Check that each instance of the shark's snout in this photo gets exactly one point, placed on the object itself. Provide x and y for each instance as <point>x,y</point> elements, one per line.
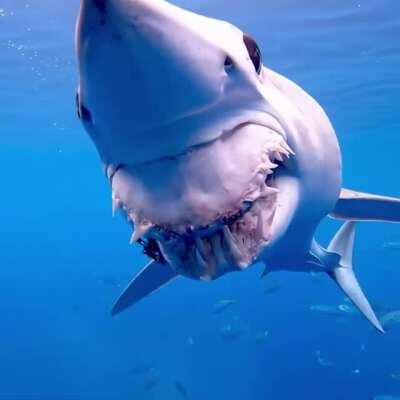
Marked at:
<point>155,74</point>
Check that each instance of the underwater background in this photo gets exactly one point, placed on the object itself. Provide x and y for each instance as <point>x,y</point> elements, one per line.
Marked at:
<point>64,260</point>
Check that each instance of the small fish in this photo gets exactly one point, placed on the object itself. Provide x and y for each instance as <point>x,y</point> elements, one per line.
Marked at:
<point>229,333</point>
<point>262,336</point>
<point>142,369</point>
<point>390,319</point>
<point>272,289</point>
<point>222,306</point>
<point>347,309</point>
<point>395,245</point>
<point>109,281</point>
<point>190,340</point>
<point>151,384</point>
<point>323,361</point>
<point>326,309</point>
<point>395,376</point>
<point>181,390</point>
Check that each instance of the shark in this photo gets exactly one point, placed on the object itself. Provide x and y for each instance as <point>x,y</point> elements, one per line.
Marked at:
<point>216,161</point>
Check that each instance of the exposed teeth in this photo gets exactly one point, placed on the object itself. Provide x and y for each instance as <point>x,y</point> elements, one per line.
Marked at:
<point>260,225</point>
<point>287,148</point>
<point>269,166</point>
<point>140,230</point>
<point>268,191</point>
<point>231,245</point>
<point>233,241</point>
<point>201,248</point>
<point>170,252</point>
<point>266,216</point>
<point>200,260</point>
<point>217,249</point>
<point>263,229</point>
<point>278,156</point>
<point>278,150</point>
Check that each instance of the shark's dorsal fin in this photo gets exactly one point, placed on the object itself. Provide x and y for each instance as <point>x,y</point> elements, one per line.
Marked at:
<point>360,206</point>
<point>151,278</point>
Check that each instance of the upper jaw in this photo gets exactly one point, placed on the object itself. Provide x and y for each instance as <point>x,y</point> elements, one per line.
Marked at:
<point>231,240</point>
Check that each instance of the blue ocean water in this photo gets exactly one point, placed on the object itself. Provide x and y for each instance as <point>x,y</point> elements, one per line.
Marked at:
<point>64,260</point>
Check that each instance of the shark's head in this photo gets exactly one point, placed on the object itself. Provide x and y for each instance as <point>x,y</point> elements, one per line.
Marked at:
<point>195,136</point>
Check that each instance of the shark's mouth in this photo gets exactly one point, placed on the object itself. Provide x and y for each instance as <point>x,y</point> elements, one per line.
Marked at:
<point>229,240</point>
<point>230,243</point>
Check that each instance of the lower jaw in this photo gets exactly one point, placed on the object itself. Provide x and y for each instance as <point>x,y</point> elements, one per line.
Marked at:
<point>229,247</point>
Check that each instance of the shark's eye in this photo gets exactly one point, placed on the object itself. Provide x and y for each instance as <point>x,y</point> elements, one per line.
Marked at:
<point>254,52</point>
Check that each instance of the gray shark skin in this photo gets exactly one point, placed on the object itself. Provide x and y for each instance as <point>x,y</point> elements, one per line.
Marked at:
<point>216,161</point>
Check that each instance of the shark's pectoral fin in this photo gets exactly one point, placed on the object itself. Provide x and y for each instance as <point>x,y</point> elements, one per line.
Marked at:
<point>360,206</point>
<point>343,274</point>
<point>154,276</point>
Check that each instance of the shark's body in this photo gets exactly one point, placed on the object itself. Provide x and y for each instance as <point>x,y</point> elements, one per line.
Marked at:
<point>217,161</point>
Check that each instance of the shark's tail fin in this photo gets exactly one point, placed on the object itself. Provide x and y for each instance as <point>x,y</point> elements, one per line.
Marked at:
<point>343,274</point>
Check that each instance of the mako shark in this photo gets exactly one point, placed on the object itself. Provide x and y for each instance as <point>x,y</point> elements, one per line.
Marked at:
<point>217,162</point>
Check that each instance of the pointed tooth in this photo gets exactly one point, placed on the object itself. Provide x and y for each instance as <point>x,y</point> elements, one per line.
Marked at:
<point>268,172</point>
<point>228,235</point>
<point>272,165</point>
<point>140,230</point>
<point>266,216</point>
<point>288,148</point>
<point>284,148</point>
<point>217,249</point>
<point>278,156</point>
<point>162,250</point>
<point>260,225</point>
<point>168,255</point>
<point>200,260</point>
<point>231,244</point>
<point>202,248</point>
<point>268,191</point>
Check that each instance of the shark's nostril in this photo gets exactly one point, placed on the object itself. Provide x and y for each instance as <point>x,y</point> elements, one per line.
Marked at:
<point>101,5</point>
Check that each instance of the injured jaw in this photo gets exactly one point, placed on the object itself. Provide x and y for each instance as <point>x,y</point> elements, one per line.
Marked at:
<point>210,210</point>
